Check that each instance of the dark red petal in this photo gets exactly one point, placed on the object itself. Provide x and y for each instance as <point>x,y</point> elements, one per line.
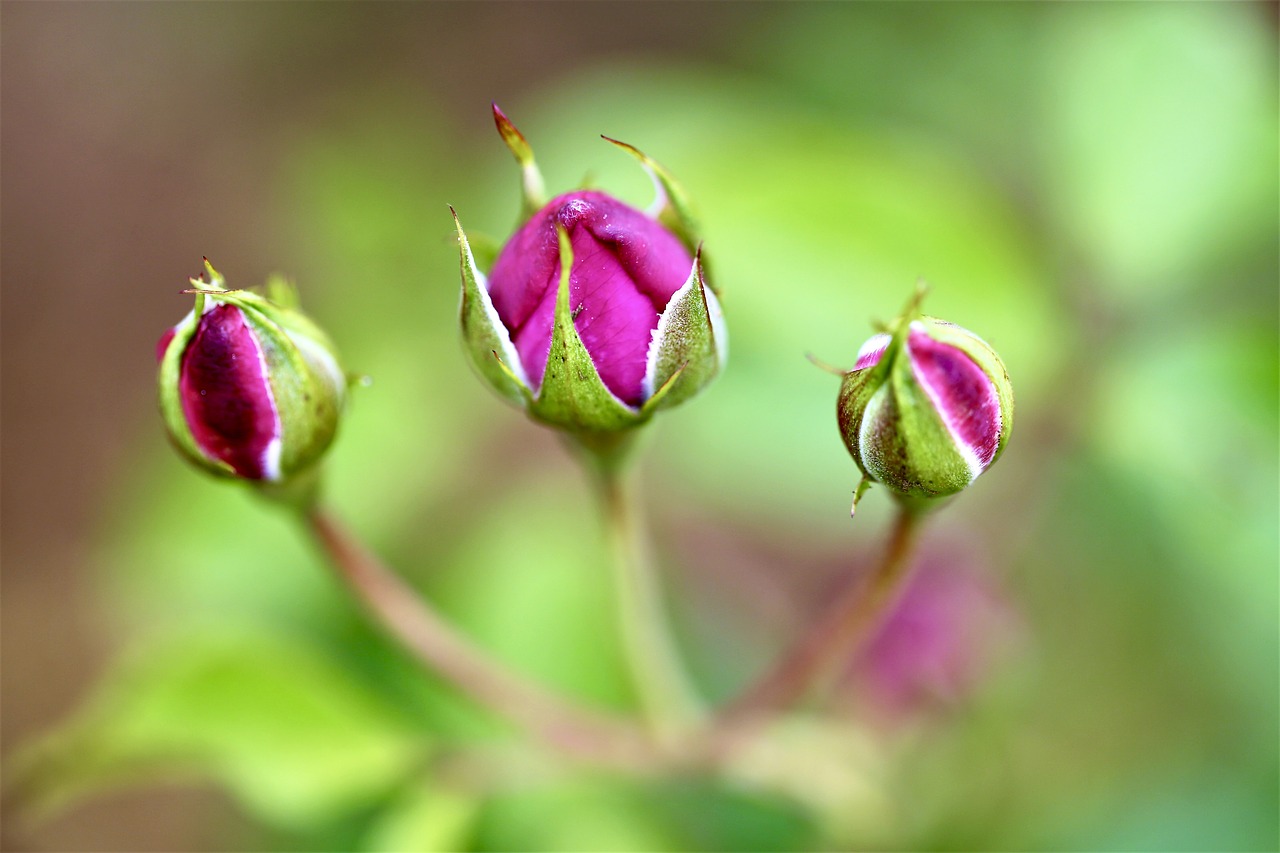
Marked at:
<point>162,346</point>
<point>225,394</point>
<point>965,396</point>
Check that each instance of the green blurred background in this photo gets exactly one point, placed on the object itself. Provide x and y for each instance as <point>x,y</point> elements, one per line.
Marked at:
<point>1092,188</point>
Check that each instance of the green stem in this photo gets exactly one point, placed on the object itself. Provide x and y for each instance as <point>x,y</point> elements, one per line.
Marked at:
<point>667,699</point>
<point>833,638</point>
<point>402,613</point>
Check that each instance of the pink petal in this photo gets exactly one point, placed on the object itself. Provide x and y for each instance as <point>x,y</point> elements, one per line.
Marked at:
<point>964,395</point>
<point>225,394</point>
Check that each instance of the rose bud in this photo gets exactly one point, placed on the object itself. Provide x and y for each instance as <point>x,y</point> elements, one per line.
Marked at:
<point>594,314</point>
<point>945,635</point>
<point>926,409</point>
<point>249,387</point>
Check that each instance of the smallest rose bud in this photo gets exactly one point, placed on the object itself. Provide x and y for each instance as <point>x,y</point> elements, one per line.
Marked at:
<point>926,409</point>
<point>249,387</point>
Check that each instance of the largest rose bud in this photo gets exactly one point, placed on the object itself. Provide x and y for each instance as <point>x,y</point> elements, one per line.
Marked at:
<point>626,267</point>
<point>594,314</point>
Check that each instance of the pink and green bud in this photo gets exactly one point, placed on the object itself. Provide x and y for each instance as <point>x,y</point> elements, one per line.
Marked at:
<point>594,314</point>
<point>927,407</point>
<point>941,640</point>
<point>249,387</point>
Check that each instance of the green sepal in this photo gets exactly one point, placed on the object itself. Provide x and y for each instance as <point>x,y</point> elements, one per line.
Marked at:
<point>484,250</point>
<point>891,427</point>
<point>533,191</point>
<point>572,395</point>
<point>851,406</point>
<point>307,387</point>
<point>863,485</point>
<point>689,346</point>
<point>671,206</point>
<point>904,443</point>
<point>486,339</point>
<point>216,280</point>
<point>859,386</point>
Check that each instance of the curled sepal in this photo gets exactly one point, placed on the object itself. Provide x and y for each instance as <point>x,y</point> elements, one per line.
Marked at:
<point>487,341</point>
<point>572,395</point>
<point>532,188</point>
<point>214,282</point>
<point>671,205</point>
<point>690,344</point>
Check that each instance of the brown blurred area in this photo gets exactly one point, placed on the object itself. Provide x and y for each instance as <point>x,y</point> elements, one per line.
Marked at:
<point>135,138</point>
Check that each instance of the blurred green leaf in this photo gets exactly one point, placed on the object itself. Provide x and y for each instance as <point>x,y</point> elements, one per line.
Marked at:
<point>585,813</point>
<point>597,812</point>
<point>1160,137</point>
<point>532,582</point>
<point>424,819</point>
<point>294,738</point>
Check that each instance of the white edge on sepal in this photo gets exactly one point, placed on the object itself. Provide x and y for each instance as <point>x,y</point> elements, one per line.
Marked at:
<point>966,451</point>
<point>880,342</point>
<point>868,452</point>
<point>660,197</point>
<point>659,335</point>
<point>719,331</point>
<point>507,354</point>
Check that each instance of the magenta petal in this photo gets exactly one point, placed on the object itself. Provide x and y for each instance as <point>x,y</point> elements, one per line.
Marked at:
<point>938,640</point>
<point>872,351</point>
<point>162,346</point>
<point>626,267</point>
<point>654,259</point>
<point>964,395</point>
<point>225,395</point>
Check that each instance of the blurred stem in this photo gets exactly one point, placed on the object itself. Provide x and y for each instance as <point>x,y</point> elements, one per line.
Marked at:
<point>402,613</point>
<point>854,612</point>
<point>667,699</point>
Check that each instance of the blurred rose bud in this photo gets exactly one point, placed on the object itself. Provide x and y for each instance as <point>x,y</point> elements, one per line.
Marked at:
<point>594,314</point>
<point>927,408</point>
<point>249,387</point>
<point>951,628</point>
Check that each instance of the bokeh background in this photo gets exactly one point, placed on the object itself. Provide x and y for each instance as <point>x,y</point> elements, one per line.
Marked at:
<point>1094,660</point>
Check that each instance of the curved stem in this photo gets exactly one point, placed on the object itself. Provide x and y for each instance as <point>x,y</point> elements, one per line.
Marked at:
<point>855,611</point>
<point>667,699</point>
<point>403,614</point>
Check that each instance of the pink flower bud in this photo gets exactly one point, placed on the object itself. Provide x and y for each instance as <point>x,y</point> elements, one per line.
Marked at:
<point>942,639</point>
<point>626,267</point>
<point>226,398</point>
<point>248,388</point>
<point>927,407</point>
<point>594,315</point>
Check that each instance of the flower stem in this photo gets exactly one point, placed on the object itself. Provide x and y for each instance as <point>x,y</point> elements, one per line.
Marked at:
<point>854,612</point>
<point>667,699</point>
<point>402,613</point>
